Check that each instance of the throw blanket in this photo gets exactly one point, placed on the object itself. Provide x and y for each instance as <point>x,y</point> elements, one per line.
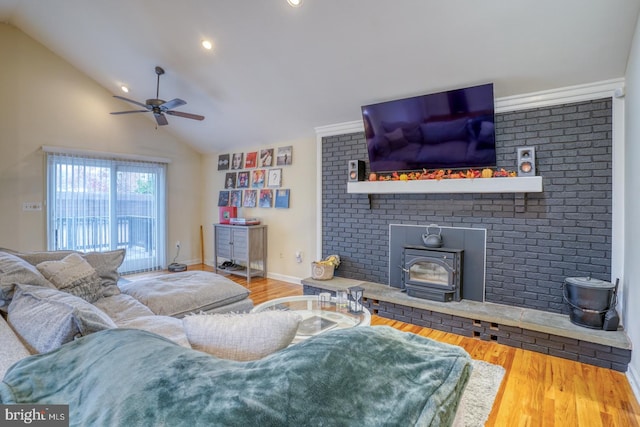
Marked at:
<point>365,376</point>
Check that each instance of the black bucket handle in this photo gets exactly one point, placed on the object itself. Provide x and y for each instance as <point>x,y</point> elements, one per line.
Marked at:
<point>586,310</point>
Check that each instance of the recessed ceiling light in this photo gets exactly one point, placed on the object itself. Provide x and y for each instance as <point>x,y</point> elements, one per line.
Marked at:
<point>124,89</point>
<point>295,3</point>
<point>207,44</point>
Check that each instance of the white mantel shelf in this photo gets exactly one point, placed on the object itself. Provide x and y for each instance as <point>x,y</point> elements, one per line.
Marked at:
<point>530,184</point>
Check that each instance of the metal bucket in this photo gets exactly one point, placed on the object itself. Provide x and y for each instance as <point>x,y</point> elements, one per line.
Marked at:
<point>588,300</point>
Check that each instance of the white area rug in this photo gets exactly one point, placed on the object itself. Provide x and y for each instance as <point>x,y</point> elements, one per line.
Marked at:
<point>480,393</point>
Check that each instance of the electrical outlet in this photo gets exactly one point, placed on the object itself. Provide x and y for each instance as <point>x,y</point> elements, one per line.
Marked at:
<point>32,206</point>
<point>298,256</point>
<point>178,244</point>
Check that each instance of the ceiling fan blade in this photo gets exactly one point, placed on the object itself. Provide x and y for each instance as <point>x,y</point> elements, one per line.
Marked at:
<point>131,111</point>
<point>161,119</point>
<point>131,101</point>
<point>170,105</point>
<point>185,115</point>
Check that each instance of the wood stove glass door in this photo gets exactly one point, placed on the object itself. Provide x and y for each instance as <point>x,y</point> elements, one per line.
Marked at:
<point>430,272</point>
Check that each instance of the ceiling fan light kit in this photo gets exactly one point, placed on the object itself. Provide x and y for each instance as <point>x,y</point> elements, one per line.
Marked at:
<point>159,107</point>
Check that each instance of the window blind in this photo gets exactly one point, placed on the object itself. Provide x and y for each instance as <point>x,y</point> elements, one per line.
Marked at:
<point>100,204</point>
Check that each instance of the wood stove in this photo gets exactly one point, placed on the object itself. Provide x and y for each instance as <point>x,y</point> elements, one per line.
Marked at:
<point>432,273</point>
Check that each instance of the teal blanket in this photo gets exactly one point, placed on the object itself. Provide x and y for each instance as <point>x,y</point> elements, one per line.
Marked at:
<point>365,376</point>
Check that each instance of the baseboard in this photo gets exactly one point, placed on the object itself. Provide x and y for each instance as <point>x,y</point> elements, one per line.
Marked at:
<point>285,278</point>
<point>634,381</point>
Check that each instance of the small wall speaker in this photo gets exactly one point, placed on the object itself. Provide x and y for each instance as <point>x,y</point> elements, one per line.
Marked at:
<point>356,170</point>
<point>526,161</point>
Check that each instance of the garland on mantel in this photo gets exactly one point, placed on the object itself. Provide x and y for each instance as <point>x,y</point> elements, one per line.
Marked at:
<point>442,174</point>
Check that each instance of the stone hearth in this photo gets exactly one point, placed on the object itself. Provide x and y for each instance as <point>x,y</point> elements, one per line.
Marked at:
<point>525,328</point>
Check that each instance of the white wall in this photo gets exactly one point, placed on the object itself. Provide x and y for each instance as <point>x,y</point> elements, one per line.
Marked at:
<point>45,101</point>
<point>289,230</point>
<point>632,209</point>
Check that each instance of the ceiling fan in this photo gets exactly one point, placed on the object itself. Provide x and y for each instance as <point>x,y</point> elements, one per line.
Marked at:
<point>159,107</point>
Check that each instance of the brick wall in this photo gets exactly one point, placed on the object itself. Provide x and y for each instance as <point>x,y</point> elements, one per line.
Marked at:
<point>533,242</point>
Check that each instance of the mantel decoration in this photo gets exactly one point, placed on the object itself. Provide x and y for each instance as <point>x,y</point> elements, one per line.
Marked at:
<point>442,174</point>
<point>255,170</point>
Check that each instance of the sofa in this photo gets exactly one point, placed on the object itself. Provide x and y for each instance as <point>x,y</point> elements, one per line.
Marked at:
<point>134,354</point>
<point>50,298</point>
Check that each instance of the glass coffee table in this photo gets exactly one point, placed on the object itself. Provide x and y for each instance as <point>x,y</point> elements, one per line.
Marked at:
<point>317,316</point>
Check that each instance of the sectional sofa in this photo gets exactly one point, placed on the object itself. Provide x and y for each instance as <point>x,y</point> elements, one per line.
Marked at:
<point>146,353</point>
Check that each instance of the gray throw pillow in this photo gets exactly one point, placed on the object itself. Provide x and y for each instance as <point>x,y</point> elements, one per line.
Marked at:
<point>47,318</point>
<point>14,270</point>
<point>105,263</point>
<point>74,275</point>
<point>242,337</point>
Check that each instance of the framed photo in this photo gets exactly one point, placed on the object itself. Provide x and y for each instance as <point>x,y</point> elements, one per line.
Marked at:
<point>251,160</point>
<point>284,156</point>
<point>266,158</point>
<point>223,162</point>
<point>257,178</point>
<point>250,198</point>
<point>243,180</point>
<point>235,198</point>
<point>223,198</point>
<point>282,198</point>
<point>230,180</point>
<point>266,198</point>
<point>274,178</point>
<point>236,161</point>
<point>225,213</point>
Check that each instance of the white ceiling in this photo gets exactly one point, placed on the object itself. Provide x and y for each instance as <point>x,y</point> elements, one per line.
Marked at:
<point>278,72</point>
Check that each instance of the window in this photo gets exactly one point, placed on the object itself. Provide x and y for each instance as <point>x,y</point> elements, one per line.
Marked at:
<point>99,204</point>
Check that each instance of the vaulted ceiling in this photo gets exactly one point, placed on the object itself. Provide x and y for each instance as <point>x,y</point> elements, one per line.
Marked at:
<point>277,72</point>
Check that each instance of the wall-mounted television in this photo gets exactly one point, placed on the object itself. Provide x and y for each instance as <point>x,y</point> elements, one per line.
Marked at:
<point>445,130</point>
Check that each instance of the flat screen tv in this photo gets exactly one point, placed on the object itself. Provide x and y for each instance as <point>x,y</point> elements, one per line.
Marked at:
<point>446,130</point>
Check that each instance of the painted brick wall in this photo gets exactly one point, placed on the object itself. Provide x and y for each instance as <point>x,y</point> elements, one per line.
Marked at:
<point>533,242</point>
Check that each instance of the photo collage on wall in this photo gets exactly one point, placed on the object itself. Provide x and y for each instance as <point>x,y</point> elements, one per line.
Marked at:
<point>254,179</point>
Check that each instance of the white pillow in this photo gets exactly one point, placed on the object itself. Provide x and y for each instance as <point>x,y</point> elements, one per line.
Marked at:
<point>244,336</point>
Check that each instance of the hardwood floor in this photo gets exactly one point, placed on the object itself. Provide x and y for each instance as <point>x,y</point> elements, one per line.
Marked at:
<point>537,390</point>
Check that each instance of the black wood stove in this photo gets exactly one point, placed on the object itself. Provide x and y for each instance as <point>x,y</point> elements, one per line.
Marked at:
<point>433,273</point>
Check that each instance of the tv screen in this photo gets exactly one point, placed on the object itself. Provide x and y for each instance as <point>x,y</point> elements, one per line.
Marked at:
<point>446,130</point>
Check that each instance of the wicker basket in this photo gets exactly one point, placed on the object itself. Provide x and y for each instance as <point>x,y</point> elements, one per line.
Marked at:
<point>321,271</point>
